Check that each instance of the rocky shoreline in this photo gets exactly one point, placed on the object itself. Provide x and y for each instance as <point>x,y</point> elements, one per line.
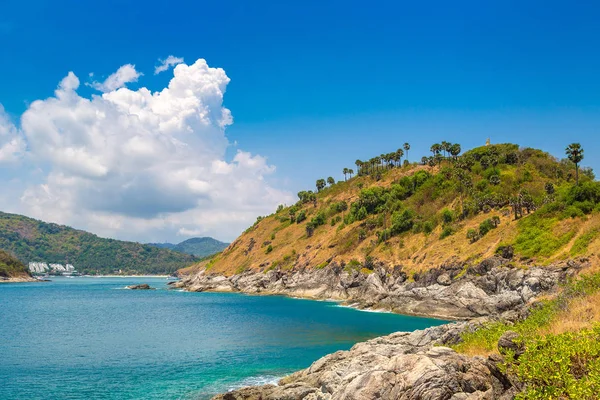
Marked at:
<point>402,365</point>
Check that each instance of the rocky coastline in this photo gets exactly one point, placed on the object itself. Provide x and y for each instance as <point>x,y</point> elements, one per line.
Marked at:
<point>415,365</point>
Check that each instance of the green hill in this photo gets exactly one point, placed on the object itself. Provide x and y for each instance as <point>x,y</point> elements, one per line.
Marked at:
<point>419,215</point>
<point>36,241</point>
<point>199,247</point>
<point>10,267</point>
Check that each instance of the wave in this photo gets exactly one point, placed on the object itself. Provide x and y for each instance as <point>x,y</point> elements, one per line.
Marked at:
<point>255,381</point>
<point>371,310</point>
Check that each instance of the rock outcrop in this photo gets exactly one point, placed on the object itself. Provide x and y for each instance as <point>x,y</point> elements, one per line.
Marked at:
<point>142,286</point>
<point>402,365</point>
<point>492,287</point>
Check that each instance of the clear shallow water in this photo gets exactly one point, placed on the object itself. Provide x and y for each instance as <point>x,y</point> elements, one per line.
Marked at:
<point>86,338</point>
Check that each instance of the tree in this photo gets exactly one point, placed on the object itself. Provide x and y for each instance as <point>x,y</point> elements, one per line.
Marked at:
<point>446,147</point>
<point>574,153</point>
<point>330,181</point>
<point>320,184</point>
<point>345,172</point>
<point>398,156</point>
<point>455,150</point>
<point>406,148</point>
<point>350,172</point>
<point>359,165</point>
<point>424,160</point>
<point>435,149</point>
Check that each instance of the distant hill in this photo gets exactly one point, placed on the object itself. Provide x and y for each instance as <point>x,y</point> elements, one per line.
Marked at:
<point>200,247</point>
<point>38,241</point>
<point>10,267</point>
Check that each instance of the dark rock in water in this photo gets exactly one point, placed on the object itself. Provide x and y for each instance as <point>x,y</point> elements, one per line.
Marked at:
<point>143,286</point>
<point>510,342</point>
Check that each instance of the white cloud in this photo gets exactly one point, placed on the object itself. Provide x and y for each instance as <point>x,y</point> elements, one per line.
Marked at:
<point>12,144</point>
<point>144,165</point>
<point>167,63</point>
<point>119,79</point>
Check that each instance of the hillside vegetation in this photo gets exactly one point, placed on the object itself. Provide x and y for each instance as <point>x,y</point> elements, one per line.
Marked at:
<point>33,240</point>
<point>519,202</point>
<point>10,267</point>
<point>199,247</point>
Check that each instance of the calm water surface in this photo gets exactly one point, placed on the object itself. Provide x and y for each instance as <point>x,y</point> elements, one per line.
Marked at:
<point>87,338</point>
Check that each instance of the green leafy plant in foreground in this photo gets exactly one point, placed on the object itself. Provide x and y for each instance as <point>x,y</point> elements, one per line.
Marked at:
<point>565,366</point>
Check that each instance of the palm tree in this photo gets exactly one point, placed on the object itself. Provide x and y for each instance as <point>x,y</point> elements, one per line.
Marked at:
<point>345,172</point>
<point>398,156</point>
<point>358,164</point>
<point>455,150</point>
<point>330,181</point>
<point>320,184</point>
<point>574,152</point>
<point>406,148</point>
<point>446,147</point>
<point>424,160</point>
<point>351,172</point>
<point>435,149</point>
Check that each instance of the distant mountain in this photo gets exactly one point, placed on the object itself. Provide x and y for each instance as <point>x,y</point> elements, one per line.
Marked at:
<point>200,247</point>
<point>31,240</point>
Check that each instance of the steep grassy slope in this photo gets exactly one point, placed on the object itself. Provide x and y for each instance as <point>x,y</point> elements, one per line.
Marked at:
<point>199,247</point>
<point>33,240</point>
<point>10,267</point>
<point>490,199</point>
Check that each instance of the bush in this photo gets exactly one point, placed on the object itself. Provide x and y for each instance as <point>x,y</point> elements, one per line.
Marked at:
<point>301,216</point>
<point>269,249</point>
<point>486,226</point>
<point>447,216</point>
<point>447,231</point>
<point>565,366</point>
<point>402,221</point>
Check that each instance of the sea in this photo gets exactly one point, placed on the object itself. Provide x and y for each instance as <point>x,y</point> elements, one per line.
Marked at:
<point>90,338</point>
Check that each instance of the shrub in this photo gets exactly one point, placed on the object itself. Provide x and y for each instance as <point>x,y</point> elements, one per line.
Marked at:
<point>565,366</point>
<point>473,235</point>
<point>269,249</point>
<point>428,227</point>
<point>301,216</point>
<point>447,231</point>
<point>447,216</point>
<point>486,226</point>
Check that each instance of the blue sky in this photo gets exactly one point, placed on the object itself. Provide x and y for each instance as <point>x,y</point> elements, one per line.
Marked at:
<point>318,84</point>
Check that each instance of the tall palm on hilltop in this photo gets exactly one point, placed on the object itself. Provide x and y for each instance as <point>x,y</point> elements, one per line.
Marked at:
<point>574,152</point>
<point>406,148</point>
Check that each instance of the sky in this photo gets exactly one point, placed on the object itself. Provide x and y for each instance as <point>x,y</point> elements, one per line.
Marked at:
<point>158,121</point>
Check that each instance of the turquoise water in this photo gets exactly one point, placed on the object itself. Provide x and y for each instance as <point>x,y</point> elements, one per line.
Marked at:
<point>86,338</point>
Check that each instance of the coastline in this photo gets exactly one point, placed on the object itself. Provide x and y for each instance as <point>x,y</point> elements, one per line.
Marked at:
<point>466,297</point>
<point>19,280</point>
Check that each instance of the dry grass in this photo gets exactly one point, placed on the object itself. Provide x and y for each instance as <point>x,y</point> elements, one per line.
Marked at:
<point>581,313</point>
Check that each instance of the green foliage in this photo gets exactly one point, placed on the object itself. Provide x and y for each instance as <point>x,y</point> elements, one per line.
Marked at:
<point>447,216</point>
<point>447,231</point>
<point>582,242</point>
<point>301,216</point>
<point>565,366</point>
<point>537,238</point>
<point>402,221</point>
<point>10,266</point>
<point>269,249</point>
<point>486,226</point>
<point>32,240</point>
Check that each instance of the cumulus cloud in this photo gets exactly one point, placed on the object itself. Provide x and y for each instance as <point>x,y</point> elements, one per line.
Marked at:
<point>119,79</point>
<point>167,63</point>
<point>12,144</point>
<point>144,165</point>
